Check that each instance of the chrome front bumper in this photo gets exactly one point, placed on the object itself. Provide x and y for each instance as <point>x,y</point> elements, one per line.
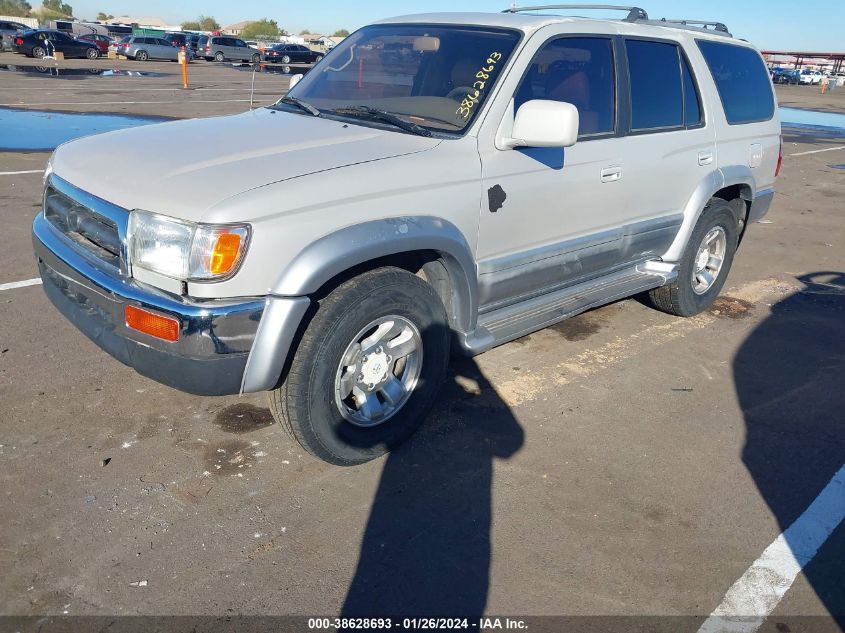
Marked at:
<point>215,337</point>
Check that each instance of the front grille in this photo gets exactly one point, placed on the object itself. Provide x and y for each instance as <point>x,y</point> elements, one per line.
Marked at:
<point>89,230</point>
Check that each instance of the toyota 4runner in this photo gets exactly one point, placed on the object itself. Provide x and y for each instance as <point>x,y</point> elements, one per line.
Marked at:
<point>437,181</point>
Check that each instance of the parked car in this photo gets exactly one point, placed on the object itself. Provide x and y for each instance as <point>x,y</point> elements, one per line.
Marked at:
<point>341,239</point>
<point>292,54</point>
<point>117,45</point>
<point>43,42</point>
<point>176,39</point>
<point>143,48</point>
<point>224,48</point>
<point>812,77</point>
<point>787,77</point>
<point>8,30</point>
<point>192,42</point>
<point>102,42</point>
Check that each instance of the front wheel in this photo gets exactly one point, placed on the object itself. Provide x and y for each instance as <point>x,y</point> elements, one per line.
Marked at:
<point>92,53</point>
<point>256,58</point>
<point>367,369</point>
<point>286,59</point>
<point>704,265</point>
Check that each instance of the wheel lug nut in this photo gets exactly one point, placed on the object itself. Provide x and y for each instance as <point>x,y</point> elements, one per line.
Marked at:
<point>360,377</point>
<point>378,350</point>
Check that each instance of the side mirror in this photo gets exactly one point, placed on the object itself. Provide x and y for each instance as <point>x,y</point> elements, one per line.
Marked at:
<point>542,123</point>
<point>295,80</point>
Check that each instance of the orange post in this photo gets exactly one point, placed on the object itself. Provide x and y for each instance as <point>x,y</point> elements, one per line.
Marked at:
<point>184,60</point>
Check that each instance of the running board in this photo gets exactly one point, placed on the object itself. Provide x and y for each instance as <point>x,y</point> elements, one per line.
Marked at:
<point>515,321</point>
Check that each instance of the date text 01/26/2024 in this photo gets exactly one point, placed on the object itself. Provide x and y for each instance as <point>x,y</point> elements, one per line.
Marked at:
<point>483,624</point>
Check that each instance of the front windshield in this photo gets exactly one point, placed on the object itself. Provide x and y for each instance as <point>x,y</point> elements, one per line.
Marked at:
<point>434,76</point>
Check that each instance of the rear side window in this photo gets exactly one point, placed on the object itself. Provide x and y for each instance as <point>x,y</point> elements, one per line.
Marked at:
<point>577,70</point>
<point>742,80</point>
<point>657,99</point>
<point>663,89</point>
<point>692,105</point>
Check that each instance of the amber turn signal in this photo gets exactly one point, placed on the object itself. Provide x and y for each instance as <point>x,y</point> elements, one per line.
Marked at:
<point>225,253</point>
<point>165,328</point>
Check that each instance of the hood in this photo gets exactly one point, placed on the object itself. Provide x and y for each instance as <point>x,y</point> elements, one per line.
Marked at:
<point>182,168</point>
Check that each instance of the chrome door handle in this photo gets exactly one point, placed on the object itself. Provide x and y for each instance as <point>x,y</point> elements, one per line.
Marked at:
<point>705,158</point>
<point>611,174</point>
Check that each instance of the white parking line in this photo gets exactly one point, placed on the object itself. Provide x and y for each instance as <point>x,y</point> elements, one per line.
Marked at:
<point>754,596</point>
<point>819,151</point>
<point>15,173</point>
<point>20,284</point>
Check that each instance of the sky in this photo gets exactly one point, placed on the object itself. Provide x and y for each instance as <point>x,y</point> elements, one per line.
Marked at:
<point>810,25</point>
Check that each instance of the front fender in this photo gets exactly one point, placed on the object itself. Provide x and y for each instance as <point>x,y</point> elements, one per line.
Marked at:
<point>337,252</point>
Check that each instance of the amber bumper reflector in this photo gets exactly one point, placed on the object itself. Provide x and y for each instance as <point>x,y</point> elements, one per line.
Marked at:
<point>166,328</point>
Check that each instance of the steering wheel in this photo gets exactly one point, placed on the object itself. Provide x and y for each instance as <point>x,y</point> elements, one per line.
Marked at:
<point>458,94</point>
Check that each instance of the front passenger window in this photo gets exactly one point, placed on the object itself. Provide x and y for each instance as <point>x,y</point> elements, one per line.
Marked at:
<point>577,70</point>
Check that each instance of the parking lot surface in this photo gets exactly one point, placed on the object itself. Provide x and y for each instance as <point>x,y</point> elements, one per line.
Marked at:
<point>624,462</point>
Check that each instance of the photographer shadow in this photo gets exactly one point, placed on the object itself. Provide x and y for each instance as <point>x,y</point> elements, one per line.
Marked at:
<point>790,382</point>
<point>426,548</point>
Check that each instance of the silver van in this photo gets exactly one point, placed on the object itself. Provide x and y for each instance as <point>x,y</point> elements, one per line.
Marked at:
<point>144,48</point>
<point>225,48</point>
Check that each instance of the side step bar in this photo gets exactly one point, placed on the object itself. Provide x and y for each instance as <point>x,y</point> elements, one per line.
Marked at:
<point>515,321</point>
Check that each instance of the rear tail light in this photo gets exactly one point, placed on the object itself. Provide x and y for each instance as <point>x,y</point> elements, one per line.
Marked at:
<point>166,328</point>
<point>18,41</point>
<point>207,47</point>
<point>780,157</point>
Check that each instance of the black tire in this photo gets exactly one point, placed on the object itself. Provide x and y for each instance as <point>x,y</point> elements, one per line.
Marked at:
<point>38,52</point>
<point>305,402</point>
<point>679,297</point>
<point>255,58</point>
<point>319,59</point>
<point>92,53</point>
<point>142,56</point>
<point>219,56</point>
<point>286,59</point>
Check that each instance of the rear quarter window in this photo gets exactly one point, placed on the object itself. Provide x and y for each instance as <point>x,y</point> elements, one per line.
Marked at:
<point>742,80</point>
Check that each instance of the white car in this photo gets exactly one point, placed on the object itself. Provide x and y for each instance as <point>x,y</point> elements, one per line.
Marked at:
<point>811,77</point>
<point>462,178</point>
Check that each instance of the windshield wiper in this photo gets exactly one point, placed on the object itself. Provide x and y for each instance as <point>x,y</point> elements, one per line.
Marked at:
<point>374,114</point>
<point>302,105</point>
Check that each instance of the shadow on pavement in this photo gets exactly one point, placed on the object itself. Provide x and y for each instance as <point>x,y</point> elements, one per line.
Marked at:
<point>790,381</point>
<point>426,548</point>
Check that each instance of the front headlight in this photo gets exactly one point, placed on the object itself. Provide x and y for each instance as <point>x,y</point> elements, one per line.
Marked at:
<point>185,250</point>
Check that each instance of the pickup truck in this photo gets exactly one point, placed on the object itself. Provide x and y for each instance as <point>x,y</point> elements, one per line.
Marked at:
<point>438,182</point>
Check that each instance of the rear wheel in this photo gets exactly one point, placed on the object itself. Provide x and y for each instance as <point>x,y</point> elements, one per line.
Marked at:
<point>142,56</point>
<point>219,56</point>
<point>367,369</point>
<point>705,263</point>
<point>38,52</point>
<point>92,53</point>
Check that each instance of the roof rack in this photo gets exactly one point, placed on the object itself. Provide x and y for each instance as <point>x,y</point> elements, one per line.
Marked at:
<point>704,24</point>
<point>634,13</point>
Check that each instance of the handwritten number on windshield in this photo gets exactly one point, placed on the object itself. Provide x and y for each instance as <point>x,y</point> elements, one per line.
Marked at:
<point>481,77</point>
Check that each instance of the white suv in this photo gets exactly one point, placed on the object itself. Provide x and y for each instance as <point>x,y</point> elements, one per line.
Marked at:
<point>811,77</point>
<point>438,178</point>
